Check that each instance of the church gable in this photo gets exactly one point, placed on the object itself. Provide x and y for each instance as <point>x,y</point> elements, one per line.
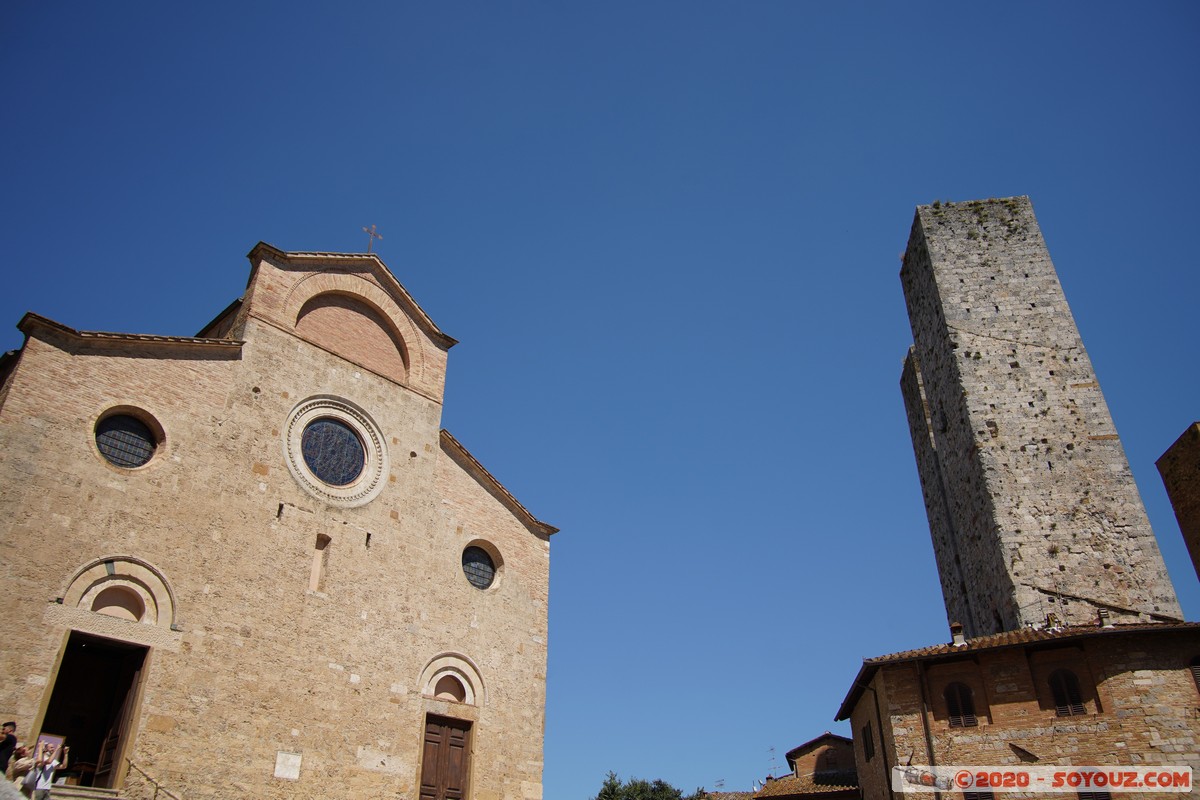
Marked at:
<point>352,306</point>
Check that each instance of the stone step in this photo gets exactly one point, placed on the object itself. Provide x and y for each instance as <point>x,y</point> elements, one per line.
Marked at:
<point>62,792</point>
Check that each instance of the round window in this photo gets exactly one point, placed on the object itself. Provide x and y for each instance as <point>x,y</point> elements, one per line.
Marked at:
<point>478,566</point>
<point>333,451</point>
<point>125,441</point>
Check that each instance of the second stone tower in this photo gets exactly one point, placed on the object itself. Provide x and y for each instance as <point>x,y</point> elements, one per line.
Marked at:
<point>1033,510</point>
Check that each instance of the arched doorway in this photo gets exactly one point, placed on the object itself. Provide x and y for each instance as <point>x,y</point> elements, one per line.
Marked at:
<point>92,701</point>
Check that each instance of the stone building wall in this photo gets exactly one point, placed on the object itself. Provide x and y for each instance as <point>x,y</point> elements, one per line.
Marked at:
<point>1180,471</point>
<point>1032,506</point>
<point>295,637</point>
<point>1140,708</point>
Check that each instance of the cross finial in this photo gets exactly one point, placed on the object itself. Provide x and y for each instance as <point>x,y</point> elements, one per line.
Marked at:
<point>371,236</point>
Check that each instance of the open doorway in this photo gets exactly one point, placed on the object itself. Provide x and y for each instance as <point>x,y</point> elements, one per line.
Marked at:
<point>92,702</point>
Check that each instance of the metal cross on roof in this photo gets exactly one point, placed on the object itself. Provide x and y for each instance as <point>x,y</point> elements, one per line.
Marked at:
<point>371,236</point>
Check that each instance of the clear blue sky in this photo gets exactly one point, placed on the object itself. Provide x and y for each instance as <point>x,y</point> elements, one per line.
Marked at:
<point>667,235</point>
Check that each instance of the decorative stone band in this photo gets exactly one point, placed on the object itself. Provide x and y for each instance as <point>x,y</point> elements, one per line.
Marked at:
<point>370,481</point>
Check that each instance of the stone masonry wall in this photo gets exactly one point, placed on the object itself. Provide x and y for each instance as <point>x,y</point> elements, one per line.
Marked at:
<point>1031,483</point>
<point>259,665</point>
<point>1142,704</point>
<point>951,570</point>
<point>1180,471</point>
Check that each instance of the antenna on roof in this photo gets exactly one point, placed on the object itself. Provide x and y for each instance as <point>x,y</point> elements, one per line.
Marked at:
<point>371,236</point>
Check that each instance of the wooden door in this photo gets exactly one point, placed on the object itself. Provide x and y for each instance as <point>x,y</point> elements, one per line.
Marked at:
<point>107,766</point>
<point>446,759</point>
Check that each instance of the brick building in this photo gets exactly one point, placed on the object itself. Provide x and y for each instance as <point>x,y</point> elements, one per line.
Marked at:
<point>251,563</point>
<point>1072,696</point>
<point>1068,645</point>
<point>821,769</point>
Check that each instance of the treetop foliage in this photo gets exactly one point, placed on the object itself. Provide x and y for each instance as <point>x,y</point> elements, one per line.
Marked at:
<point>637,789</point>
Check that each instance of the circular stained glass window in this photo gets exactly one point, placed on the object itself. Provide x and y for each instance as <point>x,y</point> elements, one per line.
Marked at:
<point>478,567</point>
<point>125,441</point>
<point>333,451</point>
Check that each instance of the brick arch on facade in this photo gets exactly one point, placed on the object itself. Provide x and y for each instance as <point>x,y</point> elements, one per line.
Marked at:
<point>123,586</point>
<point>394,327</point>
<point>354,330</point>
<point>458,667</point>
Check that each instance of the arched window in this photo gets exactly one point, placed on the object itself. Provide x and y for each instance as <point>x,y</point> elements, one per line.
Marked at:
<point>961,706</point>
<point>449,687</point>
<point>120,602</point>
<point>1068,702</point>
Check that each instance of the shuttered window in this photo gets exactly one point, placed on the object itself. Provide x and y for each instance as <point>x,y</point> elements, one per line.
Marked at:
<point>1068,702</point>
<point>961,706</point>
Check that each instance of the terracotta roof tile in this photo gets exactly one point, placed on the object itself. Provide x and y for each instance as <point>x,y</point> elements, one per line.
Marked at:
<point>821,783</point>
<point>998,641</point>
<point>1024,636</point>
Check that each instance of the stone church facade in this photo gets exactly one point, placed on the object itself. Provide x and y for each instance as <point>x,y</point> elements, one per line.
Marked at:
<point>250,562</point>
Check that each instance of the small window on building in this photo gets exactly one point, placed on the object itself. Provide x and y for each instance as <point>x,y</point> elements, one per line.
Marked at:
<point>320,561</point>
<point>1068,701</point>
<point>1195,667</point>
<point>960,705</point>
<point>868,742</point>
<point>1094,796</point>
<point>121,602</point>
<point>977,795</point>
<point>450,688</point>
<point>125,441</point>
<point>478,566</point>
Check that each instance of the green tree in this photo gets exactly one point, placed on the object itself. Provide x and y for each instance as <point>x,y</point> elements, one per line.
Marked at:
<point>637,789</point>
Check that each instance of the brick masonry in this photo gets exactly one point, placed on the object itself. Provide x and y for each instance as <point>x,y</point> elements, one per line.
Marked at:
<point>1032,507</point>
<point>249,671</point>
<point>1141,707</point>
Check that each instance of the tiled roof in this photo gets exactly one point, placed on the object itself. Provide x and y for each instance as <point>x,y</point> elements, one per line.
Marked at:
<point>471,462</point>
<point>32,320</point>
<point>800,748</point>
<point>821,783</point>
<point>998,641</point>
<point>1027,636</point>
<point>729,795</point>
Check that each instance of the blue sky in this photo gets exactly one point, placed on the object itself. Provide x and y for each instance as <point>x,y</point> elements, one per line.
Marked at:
<point>667,235</point>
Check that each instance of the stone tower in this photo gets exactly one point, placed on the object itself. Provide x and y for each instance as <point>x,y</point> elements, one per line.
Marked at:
<point>1033,510</point>
<point>1180,471</point>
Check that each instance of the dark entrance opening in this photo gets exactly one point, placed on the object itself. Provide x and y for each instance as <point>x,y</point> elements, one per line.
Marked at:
<point>91,704</point>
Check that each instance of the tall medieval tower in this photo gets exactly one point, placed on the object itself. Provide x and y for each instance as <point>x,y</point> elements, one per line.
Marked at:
<point>1033,510</point>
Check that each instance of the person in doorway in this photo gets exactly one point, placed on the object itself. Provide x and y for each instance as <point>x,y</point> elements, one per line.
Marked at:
<point>8,745</point>
<point>45,766</point>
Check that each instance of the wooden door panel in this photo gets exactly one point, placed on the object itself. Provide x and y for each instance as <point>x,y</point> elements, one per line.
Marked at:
<point>446,758</point>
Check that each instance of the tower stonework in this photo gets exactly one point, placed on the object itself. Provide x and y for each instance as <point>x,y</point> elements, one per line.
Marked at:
<point>1180,471</point>
<point>1032,507</point>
